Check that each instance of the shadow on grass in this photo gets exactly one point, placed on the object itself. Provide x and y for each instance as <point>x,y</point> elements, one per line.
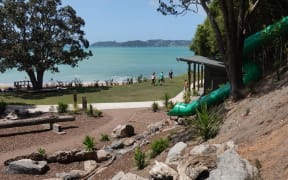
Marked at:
<point>53,93</point>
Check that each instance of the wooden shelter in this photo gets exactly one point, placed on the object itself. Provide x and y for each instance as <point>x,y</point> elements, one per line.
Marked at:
<point>212,72</point>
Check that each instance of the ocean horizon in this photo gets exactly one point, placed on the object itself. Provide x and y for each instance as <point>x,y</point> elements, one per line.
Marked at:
<point>117,63</point>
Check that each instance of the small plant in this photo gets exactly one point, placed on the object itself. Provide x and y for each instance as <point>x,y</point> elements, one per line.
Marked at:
<point>170,105</point>
<point>187,97</point>
<point>42,151</point>
<point>139,158</point>
<point>166,101</point>
<point>207,123</point>
<point>89,143</point>
<point>90,110</point>
<point>62,107</point>
<point>3,106</point>
<point>158,146</point>
<point>195,92</point>
<point>155,106</point>
<point>105,137</point>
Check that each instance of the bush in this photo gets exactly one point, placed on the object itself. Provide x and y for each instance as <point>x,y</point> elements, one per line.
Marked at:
<point>3,106</point>
<point>207,123</point>
<point>170,105</point>
<point>62,107</point>
<point>89,143</point>
<point>158,146</point>
<point>105,137</point>
<point>42,151</point>
<point>187,97</point>
<point>94,112</point>
<point>155,106</point>
<point>139,158</point>
<point>166,101</point>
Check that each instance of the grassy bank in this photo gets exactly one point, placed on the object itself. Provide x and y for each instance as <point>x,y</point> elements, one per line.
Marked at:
<point>128,93</point>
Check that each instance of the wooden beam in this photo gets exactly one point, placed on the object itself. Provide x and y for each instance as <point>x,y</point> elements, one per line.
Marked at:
<point>198,77</point>
<point>189,76</point>
<point>194,75</point>
<point>35,121</point>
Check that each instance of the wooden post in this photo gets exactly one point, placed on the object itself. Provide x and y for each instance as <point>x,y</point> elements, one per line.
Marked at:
<point>84,103</point>
<point>194,75</point>
<point>202,75</point>
<point>189,76</point>
<point>198,77</point>
<point>75,98</point>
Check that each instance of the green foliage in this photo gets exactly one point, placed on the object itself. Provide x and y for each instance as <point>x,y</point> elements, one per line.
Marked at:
<point>139,158</point>
<point>170,105</point>
<point>158,146</point>
<point>89,143</point>
<point>93,112</point>
<point>155,106</point>
<point>195,92</point>
<point>3,106</point>
<point>90,110</point>
<point>207,123</point>
<point>166,100</point>
<point>187,97</point>
<point>105,137</point>
<point>37,36</point>
<point>42,151</point>
<point>62,107</point>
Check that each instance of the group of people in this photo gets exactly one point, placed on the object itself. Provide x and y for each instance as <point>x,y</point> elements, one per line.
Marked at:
<point>161,77</point>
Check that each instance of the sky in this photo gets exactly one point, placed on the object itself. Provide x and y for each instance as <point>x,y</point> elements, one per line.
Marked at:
<point>124,20</point>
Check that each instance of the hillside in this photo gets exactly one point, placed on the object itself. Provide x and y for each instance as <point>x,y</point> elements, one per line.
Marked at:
<point>138,43</point>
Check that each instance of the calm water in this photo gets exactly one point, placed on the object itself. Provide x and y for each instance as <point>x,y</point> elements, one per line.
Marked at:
<point>116,64</point>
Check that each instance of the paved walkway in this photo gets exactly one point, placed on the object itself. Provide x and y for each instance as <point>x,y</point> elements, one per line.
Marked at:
<point>100,106</point>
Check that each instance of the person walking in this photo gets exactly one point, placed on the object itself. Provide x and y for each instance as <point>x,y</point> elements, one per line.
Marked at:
<point>153,78</point>
<point>161,78</point>
<point>171,74</point>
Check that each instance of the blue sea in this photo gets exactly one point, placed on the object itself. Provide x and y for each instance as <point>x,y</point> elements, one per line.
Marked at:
<point>115,63</point>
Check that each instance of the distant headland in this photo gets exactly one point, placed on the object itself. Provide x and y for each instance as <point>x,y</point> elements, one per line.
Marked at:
<point>139,43</point>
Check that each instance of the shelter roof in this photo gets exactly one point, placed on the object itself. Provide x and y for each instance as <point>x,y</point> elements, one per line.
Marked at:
<point>201,60</point>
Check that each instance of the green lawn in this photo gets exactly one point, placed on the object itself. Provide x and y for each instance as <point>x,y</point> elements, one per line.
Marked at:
<point>128,93</point>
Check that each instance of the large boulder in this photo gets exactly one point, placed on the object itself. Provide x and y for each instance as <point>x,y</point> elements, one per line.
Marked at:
<point>231,166</point>
<point>162,171</point>
<point>72,156</point>
<point>196,166</point>
<point>27,166</point>
<point>174,153</point>
<point>122,131</point>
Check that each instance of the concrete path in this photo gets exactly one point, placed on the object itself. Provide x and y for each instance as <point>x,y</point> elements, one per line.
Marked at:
<point>100,106</point>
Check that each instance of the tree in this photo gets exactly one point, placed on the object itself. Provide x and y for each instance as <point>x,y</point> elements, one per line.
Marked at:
<point>38,35</point>
<point>234,16</point>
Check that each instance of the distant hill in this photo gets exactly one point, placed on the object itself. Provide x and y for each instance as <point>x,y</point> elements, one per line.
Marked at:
<point>138,43</point>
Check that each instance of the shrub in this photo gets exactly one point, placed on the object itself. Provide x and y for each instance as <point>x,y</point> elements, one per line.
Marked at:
<point>170,105</point>
<point>207,123</point>
<point>187,97</point>
<point>42,151</point>
<point>105,137</point>
<point>89,143</point>
<point>90,110</point>
<point>158,146</point>
<point>155,106</point>
<point>3,106</point>
<point>139,158</point>
<point>166,101</point>
<point>62,107</point>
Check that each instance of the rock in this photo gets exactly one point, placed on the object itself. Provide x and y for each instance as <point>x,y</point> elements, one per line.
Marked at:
<point>72,156</point>
<point>27,166</point>
<point>203,149</point>
<point>118,176</point>
<point>162,171</point>
<point>231,166</point>
<point>128,141</point>
<point>117,144</point>
<point>155,127</point>
<point>90,165</point>
<point>174,153</point>
<point>11,116</point>
<point>196,166</point>
<point>103,155</point>
<point>122,131</point>
<point>221,148</point>
<point>139,137</point>
<point>69,176</point>
<point>33,156</point>
<point>128,176</point>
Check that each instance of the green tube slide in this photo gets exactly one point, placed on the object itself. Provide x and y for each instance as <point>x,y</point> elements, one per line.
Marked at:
<point>251,70</point>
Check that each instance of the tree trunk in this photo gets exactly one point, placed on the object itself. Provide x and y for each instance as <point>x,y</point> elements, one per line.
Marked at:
<point>37,82</point>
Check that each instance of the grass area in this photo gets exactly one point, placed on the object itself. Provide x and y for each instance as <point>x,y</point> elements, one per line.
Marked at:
<point>135,92</point>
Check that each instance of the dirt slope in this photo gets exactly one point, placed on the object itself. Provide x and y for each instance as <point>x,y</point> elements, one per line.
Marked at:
<point>259,125</point>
